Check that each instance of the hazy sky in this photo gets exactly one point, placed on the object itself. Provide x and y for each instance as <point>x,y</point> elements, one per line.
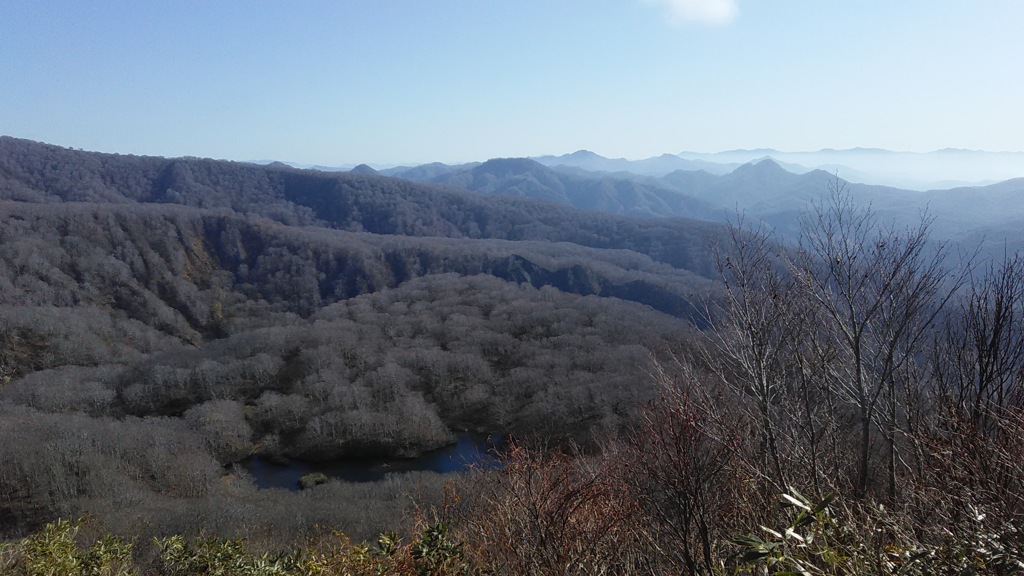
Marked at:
<point>385,81</point>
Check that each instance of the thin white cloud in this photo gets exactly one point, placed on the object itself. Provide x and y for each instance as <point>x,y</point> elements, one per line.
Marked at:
<point>711,12</point>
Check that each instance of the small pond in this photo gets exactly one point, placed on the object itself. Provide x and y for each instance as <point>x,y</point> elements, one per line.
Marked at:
<point>479,450</point>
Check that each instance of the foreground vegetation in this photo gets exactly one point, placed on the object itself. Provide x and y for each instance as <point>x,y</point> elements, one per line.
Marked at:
<point>669,499</point>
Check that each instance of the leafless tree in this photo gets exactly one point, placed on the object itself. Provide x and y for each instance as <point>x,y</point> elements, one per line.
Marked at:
<point>979,356</point>
<point>753,331</point>
<point>880,289</point>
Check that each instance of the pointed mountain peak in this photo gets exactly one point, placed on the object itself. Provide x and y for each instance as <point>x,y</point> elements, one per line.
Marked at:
<point>765,169</point>
<point>766,165</point>
<point>583,155</point>
<point>363,169</point>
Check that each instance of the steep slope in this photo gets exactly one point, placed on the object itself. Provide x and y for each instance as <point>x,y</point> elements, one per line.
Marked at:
<point>194,275</point>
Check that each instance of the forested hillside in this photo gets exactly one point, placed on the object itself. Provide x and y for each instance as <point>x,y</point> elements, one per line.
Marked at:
<point>33,172</point>
<point>617,194</point>
<point>218,309</point>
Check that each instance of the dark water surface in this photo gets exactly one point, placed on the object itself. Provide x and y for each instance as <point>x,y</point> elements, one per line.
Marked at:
<point>479,450</point>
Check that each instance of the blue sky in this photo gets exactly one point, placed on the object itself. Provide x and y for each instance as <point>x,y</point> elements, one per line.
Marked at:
<point>387,81</point>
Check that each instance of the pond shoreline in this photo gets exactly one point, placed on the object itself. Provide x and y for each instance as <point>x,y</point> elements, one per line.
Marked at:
<point>470,450</point>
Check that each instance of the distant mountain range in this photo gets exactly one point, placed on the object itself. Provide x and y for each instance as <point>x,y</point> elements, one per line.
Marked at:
<point>974,196</point>
<point>941,169</point>
<point>763,188</point>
